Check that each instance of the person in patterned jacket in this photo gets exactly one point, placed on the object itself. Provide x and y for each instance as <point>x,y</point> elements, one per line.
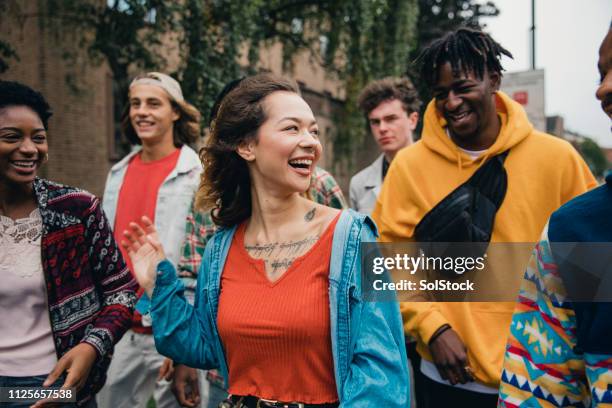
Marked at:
<point>559,352</point>
<point>199,229</point>
<point>66,295</point>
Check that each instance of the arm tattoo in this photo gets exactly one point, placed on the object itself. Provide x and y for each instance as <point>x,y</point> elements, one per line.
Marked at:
<point>310,215</point>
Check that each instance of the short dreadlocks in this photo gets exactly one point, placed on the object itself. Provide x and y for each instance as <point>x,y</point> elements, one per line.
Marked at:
<point>466,49</point>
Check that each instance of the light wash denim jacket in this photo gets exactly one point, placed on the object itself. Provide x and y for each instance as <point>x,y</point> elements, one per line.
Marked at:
<point>364,187</point>
<point>370,364</point>
<point>174,198</point>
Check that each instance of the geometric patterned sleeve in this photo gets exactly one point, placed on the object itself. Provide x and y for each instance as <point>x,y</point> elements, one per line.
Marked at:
<point>325,190</point>
<point>112,277</point>
<point>599,374</point>
<point>541,367</point>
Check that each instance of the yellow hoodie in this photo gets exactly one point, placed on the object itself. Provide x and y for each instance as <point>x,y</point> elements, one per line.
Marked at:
<point>543,173</point>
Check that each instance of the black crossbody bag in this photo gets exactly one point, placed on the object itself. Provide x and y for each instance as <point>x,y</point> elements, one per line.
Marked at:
<point>467,214</point>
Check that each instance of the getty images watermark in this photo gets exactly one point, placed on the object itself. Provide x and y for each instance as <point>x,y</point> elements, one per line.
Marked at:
<point>405,263</point>
<point>444,272</point>
<point>485,272</point>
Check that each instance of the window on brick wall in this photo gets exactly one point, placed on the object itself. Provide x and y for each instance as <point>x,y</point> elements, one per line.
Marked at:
<point>117,144</point>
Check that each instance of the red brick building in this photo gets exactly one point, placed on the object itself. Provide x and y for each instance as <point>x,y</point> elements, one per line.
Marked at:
<point>79,89</point>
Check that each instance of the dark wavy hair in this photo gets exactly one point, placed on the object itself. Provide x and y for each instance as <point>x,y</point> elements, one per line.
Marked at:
<point>226,185</point>
<point>388,89</point>
<point>18,94</point>
<point>186,129</point>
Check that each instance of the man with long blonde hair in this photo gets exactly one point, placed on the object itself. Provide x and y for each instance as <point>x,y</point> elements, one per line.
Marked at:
<point>157,180</point>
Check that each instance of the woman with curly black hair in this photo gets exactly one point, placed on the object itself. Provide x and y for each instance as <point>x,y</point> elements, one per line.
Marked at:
<point>66,296</point>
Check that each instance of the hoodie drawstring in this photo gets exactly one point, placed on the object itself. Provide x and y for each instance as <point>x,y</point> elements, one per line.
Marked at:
<point>459,163</point>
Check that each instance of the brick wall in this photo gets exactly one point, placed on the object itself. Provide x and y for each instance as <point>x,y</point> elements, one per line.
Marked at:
<point>77,90</point>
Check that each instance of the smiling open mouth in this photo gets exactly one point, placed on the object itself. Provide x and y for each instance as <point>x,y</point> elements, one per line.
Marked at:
<point>458,116</point>
<point>300,163</point>
<point>24,164</point>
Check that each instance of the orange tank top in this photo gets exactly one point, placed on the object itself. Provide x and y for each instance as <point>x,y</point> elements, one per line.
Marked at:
<point>277,335</point>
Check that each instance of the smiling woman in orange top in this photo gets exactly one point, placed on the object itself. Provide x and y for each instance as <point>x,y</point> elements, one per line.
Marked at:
<point>278,306</point>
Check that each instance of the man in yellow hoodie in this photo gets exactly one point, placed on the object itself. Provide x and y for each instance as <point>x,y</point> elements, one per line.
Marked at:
<point>468,122</point>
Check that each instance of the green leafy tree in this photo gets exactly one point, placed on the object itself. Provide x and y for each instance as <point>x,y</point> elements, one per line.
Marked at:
<point>354,40</point>
<point>378,38</point>
<point>594,157</point>
<point>7,52</point>
<point>128,34</point>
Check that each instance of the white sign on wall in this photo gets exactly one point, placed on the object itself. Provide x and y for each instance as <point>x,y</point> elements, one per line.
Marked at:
<point>527,88</point>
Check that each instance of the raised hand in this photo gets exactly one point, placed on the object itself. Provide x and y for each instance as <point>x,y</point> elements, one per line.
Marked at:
<point>145,251</point>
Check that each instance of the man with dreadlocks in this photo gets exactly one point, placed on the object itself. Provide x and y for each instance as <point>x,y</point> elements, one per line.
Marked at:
<point>467,125</point>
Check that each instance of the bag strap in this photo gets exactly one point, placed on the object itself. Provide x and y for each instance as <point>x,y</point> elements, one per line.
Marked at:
<point>490,177</point>
<point>489,183</point>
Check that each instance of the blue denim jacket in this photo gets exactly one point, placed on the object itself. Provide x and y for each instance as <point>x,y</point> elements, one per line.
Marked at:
<point>370,364</point>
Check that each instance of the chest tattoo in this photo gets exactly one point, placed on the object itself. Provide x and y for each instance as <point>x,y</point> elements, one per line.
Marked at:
<point>279,256</point>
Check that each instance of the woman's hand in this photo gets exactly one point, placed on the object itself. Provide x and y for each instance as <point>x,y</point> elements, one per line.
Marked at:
<point>76,364</point>
<point>145,251</point>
